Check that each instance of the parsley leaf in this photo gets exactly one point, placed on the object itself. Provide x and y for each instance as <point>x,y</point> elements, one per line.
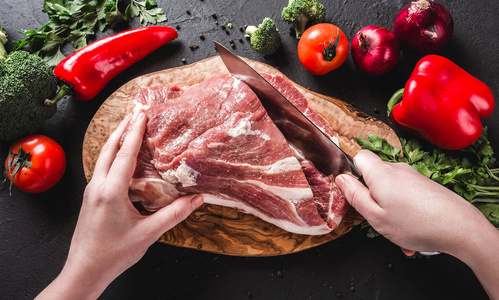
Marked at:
<point>146,10</point>
<point>74,21</point>
<point>471,172</point>
<point>381,146</point>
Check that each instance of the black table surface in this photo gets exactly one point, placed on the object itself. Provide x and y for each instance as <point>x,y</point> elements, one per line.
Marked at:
<point>36,229</point>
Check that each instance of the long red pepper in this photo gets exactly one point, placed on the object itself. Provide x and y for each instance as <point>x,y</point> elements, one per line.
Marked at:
<point>89,69</point>
<point>442,103</point>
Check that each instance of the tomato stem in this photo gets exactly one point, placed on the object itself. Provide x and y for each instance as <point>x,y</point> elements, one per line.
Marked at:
<point>330,50</point>
<point>17,160</point>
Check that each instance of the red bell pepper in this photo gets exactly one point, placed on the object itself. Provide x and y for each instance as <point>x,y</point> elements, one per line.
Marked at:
<point>442,103</point>
<point>89,69</point>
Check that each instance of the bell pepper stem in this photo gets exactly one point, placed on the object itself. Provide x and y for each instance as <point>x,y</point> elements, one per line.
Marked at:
<point>63,91</point>
<point>396,98</point>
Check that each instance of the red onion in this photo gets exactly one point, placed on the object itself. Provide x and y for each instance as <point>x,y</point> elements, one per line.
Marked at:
<point>375,50</point>
<point>423,26</point>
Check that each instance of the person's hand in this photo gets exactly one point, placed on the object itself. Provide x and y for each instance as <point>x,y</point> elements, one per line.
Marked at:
<point>409,209</point>
<point>419,214</point>
<point>111,235</point>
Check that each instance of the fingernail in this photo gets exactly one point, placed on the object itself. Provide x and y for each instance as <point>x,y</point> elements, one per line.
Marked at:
<point>408,252</point>
<point>340,180</point>
<point>355,163</point>
<point>127,117</point>
<point>196,201</point>
<point>138,116</point>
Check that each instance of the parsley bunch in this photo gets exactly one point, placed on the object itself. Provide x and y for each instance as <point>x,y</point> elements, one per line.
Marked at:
<point>471,172</point>
<point>74,21</point>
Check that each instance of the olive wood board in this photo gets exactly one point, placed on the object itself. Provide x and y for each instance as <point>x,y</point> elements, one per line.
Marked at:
<point>220,229</point>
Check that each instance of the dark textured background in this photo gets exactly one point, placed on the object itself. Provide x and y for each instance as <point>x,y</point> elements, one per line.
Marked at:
<point>35,230</point>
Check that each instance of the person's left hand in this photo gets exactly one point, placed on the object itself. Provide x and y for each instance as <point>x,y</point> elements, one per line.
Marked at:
<point>111,235</point>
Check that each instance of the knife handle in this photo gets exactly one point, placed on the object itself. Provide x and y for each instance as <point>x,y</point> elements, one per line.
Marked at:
<point>361,179</point>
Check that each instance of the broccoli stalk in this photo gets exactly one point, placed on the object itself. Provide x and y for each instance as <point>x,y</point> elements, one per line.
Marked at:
<point>25,82</point>
<point>265,38</point>
<point>299,12</point>
<point>3,40</point>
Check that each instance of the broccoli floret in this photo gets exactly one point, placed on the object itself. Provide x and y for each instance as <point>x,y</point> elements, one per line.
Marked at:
<point>25,82</point>
<point>265,38</point>
<point>299,12</point>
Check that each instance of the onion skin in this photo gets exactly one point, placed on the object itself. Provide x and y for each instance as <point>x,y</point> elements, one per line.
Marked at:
<point>423,26</point>
<point>375,50</point>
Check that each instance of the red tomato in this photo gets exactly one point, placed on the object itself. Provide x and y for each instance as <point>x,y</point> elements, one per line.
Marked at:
<point>41,169</point>
<point>319,49</point>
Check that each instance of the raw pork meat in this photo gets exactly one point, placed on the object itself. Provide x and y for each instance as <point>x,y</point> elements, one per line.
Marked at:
<point>216,139</point>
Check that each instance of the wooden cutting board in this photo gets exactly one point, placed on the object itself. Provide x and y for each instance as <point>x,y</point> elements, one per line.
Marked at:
<point>220,229</point>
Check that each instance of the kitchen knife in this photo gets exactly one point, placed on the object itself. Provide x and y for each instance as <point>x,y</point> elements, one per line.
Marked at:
<point>302,133</point>
<point>294,125</point>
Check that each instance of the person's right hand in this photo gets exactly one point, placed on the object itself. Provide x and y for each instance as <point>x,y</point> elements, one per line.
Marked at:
<point>419,214</point>
<point>409,209</point>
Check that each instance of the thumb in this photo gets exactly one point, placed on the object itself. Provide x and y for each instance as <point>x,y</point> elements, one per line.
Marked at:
<point>357,195</point>
<point>169,216</point>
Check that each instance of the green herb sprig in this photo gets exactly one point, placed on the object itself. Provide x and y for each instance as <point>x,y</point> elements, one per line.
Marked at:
<point>74,21</point>
<point>471,172</point>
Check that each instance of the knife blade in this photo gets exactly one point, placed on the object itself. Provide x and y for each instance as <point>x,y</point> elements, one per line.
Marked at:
<point>298,130</point>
